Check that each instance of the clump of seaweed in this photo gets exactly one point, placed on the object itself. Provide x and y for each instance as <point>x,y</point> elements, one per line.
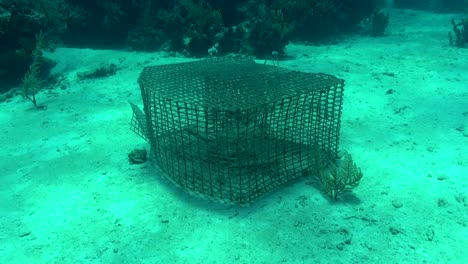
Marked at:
<point>32,82</point>
<point>460,30</point>
<point>339,178</point>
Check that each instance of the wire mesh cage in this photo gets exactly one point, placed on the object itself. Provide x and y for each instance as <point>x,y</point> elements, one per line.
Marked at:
<point>231,130</point>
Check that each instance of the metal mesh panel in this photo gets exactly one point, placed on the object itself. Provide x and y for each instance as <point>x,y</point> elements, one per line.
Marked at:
<point>231,130</point>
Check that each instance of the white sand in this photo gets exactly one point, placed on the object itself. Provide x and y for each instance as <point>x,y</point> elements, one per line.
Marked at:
<point>69,195</point>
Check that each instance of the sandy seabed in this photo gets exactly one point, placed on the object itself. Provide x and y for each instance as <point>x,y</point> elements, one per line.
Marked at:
<point>69,195</point>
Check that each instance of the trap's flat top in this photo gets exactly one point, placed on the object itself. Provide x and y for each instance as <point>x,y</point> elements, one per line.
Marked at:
<point>229,83</point>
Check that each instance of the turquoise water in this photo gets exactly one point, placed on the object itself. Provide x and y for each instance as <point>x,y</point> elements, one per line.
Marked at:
<point>70,195</point>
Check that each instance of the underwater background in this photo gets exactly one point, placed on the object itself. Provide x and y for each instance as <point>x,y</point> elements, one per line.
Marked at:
<point>69,193</point>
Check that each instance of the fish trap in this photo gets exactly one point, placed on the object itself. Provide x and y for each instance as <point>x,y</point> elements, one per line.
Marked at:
<point>232,130</point>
